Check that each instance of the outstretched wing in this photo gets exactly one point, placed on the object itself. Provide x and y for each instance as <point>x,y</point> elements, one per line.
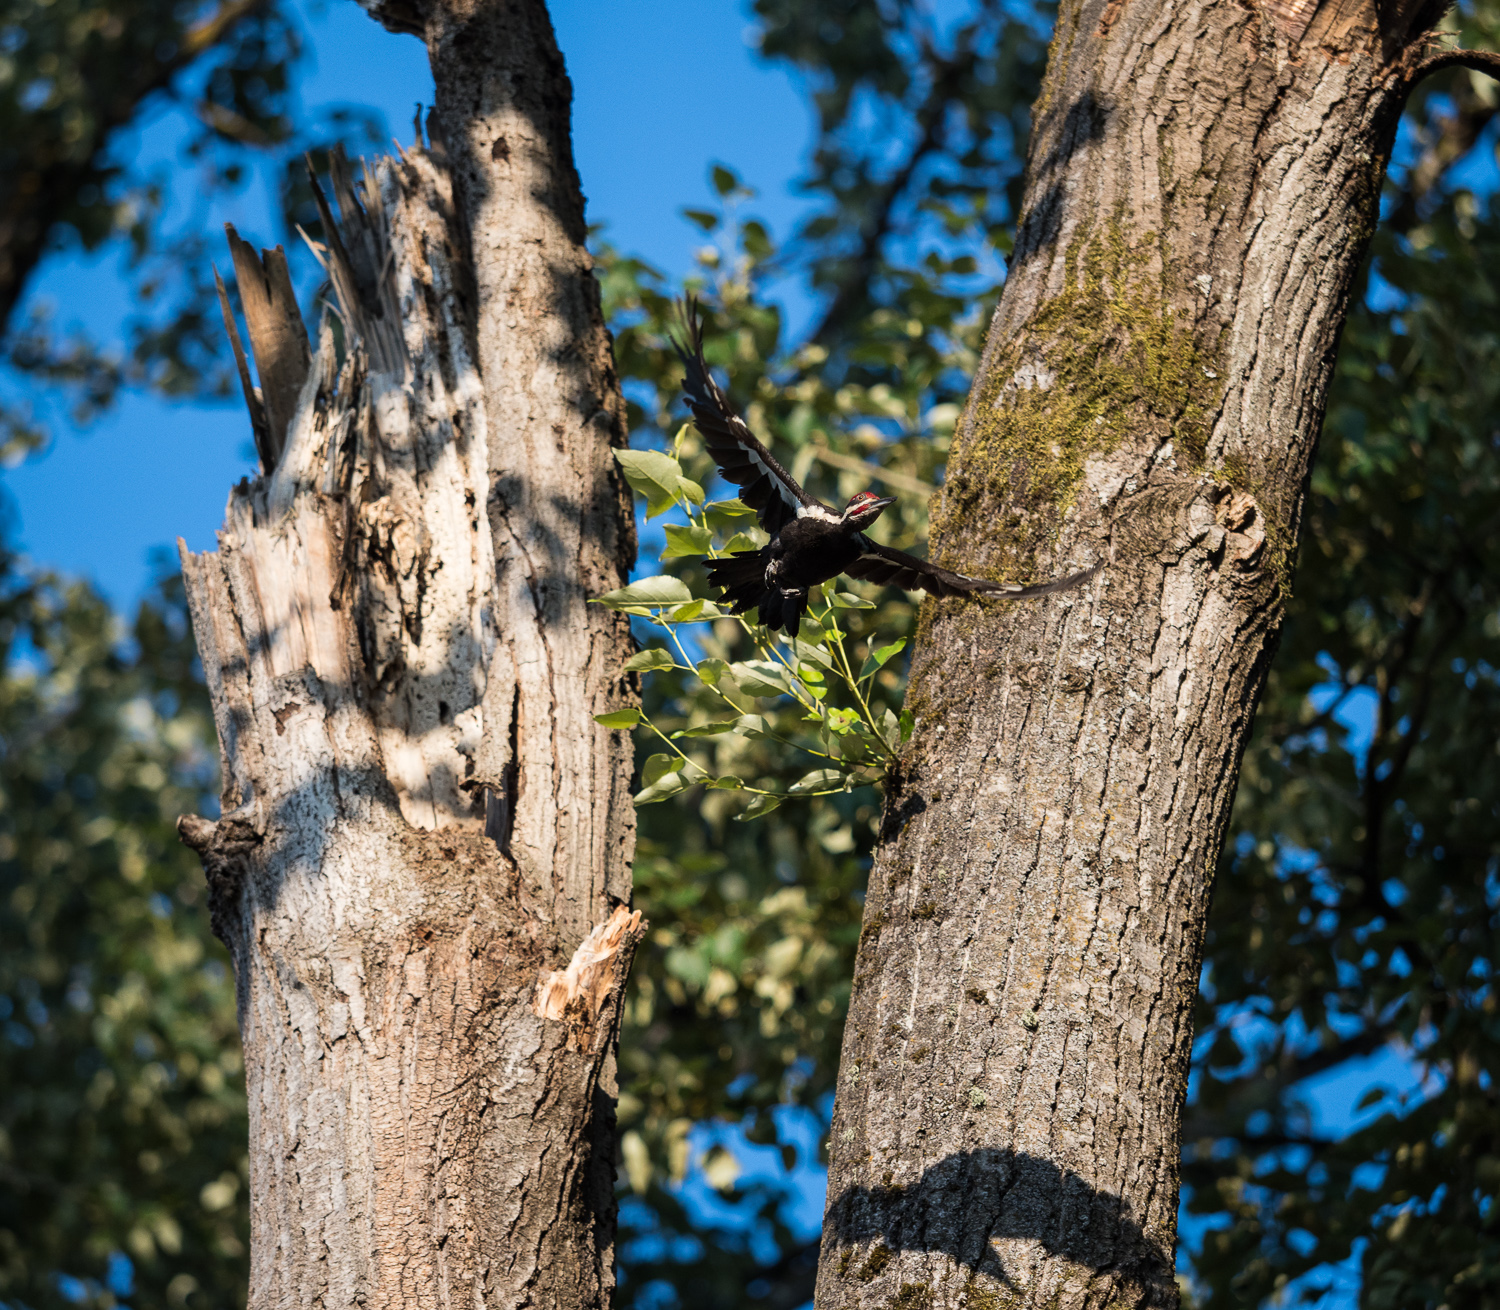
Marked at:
<point>896,568</point>
<point>764,485</point>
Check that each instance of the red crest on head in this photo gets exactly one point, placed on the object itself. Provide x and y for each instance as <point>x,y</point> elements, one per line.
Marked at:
<point>865,506</point>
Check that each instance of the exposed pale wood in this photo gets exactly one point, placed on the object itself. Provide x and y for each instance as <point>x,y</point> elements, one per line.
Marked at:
<point>278,339</point>
<point>248,389</point>
<point>394,625</point>
<point>581,994</point>
<point>1200,192</point>
<point>560,510</point>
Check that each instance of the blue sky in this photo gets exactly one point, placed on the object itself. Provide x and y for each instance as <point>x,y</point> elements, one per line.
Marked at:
<point>100,501</point>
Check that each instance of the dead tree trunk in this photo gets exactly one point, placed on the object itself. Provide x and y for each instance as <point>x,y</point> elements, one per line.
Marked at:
<point>1202,182</point>
<point>421,819</point>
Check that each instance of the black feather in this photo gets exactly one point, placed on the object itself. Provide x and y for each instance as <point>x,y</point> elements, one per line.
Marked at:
<point>764,485</point>
<point>895,568</point>
<point>741,577</point>
<point>793,607</point>
<point>806,548</point>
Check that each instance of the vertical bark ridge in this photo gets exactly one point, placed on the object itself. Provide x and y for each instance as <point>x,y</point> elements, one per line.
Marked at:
<point>1200,190</point>
<point>381,658</point>
<point>559,511</point>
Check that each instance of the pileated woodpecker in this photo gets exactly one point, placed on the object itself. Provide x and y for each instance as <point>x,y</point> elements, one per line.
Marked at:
<point>810,542</point>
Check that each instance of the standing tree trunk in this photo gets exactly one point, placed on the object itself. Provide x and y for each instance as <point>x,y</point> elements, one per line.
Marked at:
<point>421,819</point>
<point>1202,182</point>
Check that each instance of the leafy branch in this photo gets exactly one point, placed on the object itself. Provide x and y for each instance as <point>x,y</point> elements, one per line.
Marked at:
<point>802,692</point>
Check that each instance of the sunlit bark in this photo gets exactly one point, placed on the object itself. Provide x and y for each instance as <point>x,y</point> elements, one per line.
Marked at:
<point>422,823</point>
<point>1203,179</point>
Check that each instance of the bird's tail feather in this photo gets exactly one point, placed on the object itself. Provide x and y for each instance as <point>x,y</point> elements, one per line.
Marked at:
<point>783,610</point>
<point>741,577</point>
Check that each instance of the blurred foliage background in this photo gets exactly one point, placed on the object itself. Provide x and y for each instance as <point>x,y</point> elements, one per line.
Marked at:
<point>1342,1126</point>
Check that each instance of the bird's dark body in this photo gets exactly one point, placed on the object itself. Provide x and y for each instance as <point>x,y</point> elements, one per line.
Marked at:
<point>777,578</point>
<point>810,542</point>
<point>809,551</point>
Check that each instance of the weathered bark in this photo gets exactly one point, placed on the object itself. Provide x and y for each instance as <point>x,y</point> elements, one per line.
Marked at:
<point>422,822</point>
<point>1202,182</point>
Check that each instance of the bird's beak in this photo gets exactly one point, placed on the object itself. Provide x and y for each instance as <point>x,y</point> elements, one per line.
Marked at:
<point>883,502</point>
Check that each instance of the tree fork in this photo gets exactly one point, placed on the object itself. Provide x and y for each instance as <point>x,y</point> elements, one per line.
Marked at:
<point>422,870</point>
<point>1202,183</point>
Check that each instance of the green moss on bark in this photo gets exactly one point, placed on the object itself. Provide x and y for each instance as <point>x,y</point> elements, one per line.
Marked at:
<point>1112,356</point>
<point>877,1260</point>
<point>1064,29</point>
<point>983,1298</point>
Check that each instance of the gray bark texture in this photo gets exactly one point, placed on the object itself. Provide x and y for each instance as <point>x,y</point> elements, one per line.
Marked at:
<point>422,870</point>
<point>1202,182</point>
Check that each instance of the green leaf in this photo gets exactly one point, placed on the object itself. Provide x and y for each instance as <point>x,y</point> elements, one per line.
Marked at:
<point>842,721</point>
<point>810,647</point>
<point>760,805</point>
<point>728,515</point>
<point>753,725</point>
<point>669,784</point>
<point>890,730</point>
<point>666,775</point>
<point>756,241</point>
<point>655,476</point>
<point>658,766</point>
<point>692,490</point>
<point>817,780</point>
<point>853,747</point>
<point>733,508</point>
<point>687,539</point>
<point>649,660</point>
<point>725,181</point>
<point>877,659</point>
<point>626,718</point>
<point>711,670</point>
<point>727,783</point>
<point>741,541</point>
<point>707,729</point>
<point>760,677</point>
<point>639,597</point>
<point>907,724</point>
<point>847,600</point>
<point>705,220</point>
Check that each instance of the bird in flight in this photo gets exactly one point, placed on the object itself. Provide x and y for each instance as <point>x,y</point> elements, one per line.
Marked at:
<point>810,542</point>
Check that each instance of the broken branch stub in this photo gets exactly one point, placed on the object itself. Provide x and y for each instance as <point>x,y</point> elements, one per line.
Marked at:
<point>278,338</point>
<point>259,428</point>
<point>579,994</point>
<point>356,575</point>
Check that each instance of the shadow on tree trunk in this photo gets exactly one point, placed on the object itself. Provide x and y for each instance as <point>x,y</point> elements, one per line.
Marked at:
<point>969,1205</point>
